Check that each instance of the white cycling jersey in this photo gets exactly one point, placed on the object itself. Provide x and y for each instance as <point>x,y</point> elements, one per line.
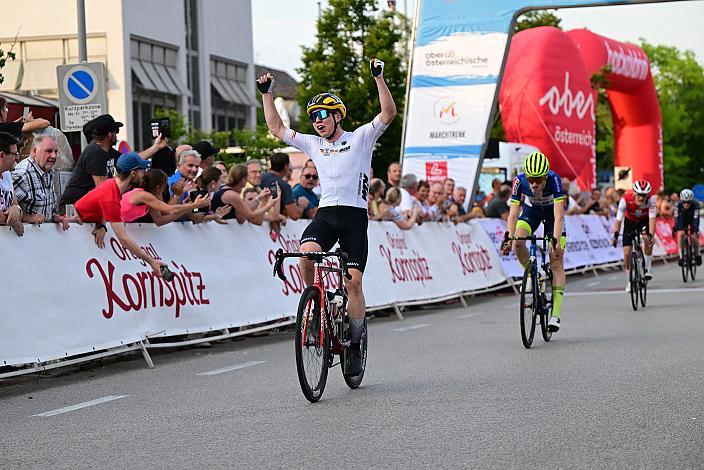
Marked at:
<point>344,166</point>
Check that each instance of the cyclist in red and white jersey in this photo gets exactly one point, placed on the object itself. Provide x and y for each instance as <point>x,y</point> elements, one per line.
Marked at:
<point>638,208</point>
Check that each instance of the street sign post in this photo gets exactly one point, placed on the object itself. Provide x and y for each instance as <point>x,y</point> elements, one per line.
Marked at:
<point>82,94</point>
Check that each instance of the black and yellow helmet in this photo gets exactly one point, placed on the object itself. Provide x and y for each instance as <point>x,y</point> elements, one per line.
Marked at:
<point>536,165</point>
<point>326,101</point>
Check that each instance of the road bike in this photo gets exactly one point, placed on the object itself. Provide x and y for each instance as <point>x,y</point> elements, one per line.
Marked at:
<point>322,322</point>
<point>536,289</point>
<point>687,254</point>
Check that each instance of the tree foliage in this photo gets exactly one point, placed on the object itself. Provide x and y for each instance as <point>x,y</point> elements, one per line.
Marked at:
<point>6,56</point>
<point>351,33</point>
<point>533,19</point>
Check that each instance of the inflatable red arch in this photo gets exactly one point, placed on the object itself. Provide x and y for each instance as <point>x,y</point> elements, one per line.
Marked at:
<point>546,100</point>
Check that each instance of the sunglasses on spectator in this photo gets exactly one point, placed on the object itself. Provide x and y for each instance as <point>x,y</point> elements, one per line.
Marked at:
<point>310,176</point>
<point>536,180</point>
<point>319,114</point>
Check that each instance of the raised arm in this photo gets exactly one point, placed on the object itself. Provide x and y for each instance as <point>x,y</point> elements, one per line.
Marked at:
<point>159,143</point>
<point>388,107</point>
<point>265,84</point>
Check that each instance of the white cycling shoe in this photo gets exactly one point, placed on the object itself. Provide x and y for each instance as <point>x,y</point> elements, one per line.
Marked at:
<point>648,274</point>
<point>554,324</point>
<point>628,286</point>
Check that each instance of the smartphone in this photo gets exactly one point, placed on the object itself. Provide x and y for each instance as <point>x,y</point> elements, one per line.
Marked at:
<point>272,188</point>
<point>193,195</point>
<point>160,126</point>
<point>25,112</point>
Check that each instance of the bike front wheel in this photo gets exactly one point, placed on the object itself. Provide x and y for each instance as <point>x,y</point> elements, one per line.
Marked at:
<point>643,283</point>
<point>312,345</point>
<point>529,306</point>
<point>634,280</point>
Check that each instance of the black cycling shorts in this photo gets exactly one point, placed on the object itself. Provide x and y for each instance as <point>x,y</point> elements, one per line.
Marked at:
<point>630,228</point>
<point>345,224</point>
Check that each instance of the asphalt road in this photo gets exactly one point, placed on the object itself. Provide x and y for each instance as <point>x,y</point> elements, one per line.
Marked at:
<point>448,387</point>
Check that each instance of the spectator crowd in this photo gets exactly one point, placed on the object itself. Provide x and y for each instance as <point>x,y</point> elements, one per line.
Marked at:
<point>162,184</point>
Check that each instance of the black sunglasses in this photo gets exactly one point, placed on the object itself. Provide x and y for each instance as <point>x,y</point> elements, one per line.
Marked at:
<point>310,176</point>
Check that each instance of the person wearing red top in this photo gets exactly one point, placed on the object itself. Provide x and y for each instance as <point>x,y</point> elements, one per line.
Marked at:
<point>102,204</point>
<point>638,208</point>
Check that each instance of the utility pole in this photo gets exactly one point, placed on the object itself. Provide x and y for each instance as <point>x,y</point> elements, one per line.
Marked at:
<point>82,49</point>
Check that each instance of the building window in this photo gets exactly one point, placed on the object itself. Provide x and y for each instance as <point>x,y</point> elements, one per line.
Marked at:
<point>156,83</point>
<point>230,97</point>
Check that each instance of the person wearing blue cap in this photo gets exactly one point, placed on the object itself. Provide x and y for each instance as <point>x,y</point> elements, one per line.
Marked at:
<point>102,204</point>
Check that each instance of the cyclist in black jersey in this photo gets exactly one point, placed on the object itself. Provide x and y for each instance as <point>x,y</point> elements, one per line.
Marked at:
<point>343,160</point>
<point>687,216</point>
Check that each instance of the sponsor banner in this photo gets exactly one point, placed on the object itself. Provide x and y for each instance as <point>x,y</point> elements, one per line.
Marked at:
<point>437,169</point>
<point>447,120</point>
<point>79,298</point>
<point>664,243</point>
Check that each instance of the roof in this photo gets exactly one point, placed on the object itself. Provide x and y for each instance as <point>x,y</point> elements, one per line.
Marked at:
<point>285,83</point>
<point>27,100</point>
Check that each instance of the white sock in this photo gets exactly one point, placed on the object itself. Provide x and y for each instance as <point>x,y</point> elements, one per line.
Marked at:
<point>648,262</point>
<point>628,274</point>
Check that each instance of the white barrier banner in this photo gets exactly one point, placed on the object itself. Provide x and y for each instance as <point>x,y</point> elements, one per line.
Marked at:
<point>495,229</point>
<point>430,261</point>
<point>64,296</point>
<point>595,228</point>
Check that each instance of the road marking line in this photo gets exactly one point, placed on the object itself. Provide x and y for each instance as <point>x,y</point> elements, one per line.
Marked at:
<point>413,327</point>
<point>592,284</point>
<point>231,368</point>
<point>86,404</point>
<point>469,315</point>
<point>622,292</point>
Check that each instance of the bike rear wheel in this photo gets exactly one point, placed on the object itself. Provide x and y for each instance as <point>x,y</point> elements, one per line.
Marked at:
<point>529,306</point>
<point>692,262</point>
<point>312,351</point>
<point>547,308</point>
<point>355,381</point>
<point>634,279</point>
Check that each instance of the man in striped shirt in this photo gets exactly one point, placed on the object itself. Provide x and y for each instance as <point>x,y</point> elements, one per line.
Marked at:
<point>33,179</point>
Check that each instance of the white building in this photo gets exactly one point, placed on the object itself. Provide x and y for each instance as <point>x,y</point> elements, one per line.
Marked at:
<point>195,56</point>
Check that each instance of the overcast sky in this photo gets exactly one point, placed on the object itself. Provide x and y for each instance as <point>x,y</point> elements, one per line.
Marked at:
<point>281,27</point>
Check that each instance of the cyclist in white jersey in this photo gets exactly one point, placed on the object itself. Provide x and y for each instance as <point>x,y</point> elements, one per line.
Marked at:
<point>343,160</point>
